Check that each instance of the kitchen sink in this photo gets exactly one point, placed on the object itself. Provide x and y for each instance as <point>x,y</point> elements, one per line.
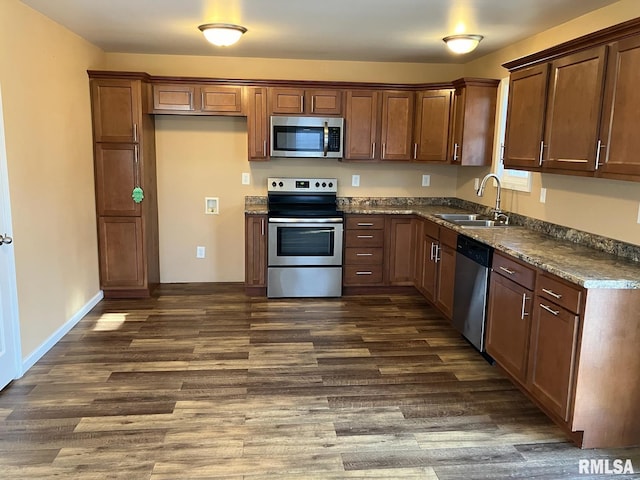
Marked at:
<point>471,220</point>
<point>479,223</point>
<point>456,217</point>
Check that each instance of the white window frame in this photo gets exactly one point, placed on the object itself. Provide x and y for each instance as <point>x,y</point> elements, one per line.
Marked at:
<point>519,180</point>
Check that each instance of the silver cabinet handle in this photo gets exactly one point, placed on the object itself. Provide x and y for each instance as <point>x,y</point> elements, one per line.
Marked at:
<point>301,103</point>
<point>364,273</point>
<point>524,302</point>
<point>433,247</point>
<point>437,259</point>
<point>313,104</point>
<point>365,236</point>
<point>364,254</point>
<point>550,310</point>
<point>136,159</point>
<point>384,150</point>
<point>415,151</point>
<point>262,227</point>
<point>540,160</point>
<point>373,150</point>
<point>264,148</point>
<point>135,132</point>
<point>5,239</point>
<point>506,270</point>
<point>455,152</point>
<point>598,149</point>
<point>365,224</point>
<point>553,294</point>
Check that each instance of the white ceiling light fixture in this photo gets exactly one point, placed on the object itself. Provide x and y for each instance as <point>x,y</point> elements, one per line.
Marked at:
<point>222,34</point>
<point>462,43</point>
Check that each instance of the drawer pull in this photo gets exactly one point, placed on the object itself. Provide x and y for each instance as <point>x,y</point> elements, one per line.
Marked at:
<point>365,236</point>
<point>553,294</point>
<point>364,273</point>
<point>506,270</point>
<point>364,254</point>
<point>550,310</point>
<point>365,224</point>
<point>524,302</point>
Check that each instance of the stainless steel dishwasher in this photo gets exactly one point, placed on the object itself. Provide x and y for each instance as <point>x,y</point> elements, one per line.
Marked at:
<point>473,263</point>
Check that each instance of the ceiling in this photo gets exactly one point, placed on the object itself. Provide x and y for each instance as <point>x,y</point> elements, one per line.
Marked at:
<point>366,30</point>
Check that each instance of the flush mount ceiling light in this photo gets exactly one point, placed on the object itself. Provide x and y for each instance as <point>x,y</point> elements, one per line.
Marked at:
<point>462,43</point>
<point>222,34</point>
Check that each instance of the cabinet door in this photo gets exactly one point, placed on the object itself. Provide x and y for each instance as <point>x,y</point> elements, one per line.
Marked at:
<point>116,110</point>
<point>257,123</point>
<point>122,260</point>
<point>525,117</point>
<point>554,336</point>
<point>397,125</point>
<point>457,126</point>
<point>431,134</point>
<point>418,233</point>
<point>221,100</point>
<point>286,100</point>
<point>117,173</point>
<point>508,325</point>
<point>361,125</point>
<point>445,282</point>
<point>255,251</point>
<point>323,102</point>
<point>400,259</point>
<point>573,110</point>
<point>429,267</point>
<point>621,111</point>
<point>174,98</point>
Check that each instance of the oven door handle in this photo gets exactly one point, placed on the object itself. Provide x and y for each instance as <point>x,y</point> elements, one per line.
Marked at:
<point>307,220</point>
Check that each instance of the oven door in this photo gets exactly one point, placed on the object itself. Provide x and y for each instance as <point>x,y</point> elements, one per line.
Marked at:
<point>305,242</point>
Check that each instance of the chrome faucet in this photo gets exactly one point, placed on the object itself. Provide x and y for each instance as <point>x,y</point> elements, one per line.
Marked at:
<point>497,213</point>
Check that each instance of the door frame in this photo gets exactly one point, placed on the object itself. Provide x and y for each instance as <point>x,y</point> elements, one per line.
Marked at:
<point>9,297</point>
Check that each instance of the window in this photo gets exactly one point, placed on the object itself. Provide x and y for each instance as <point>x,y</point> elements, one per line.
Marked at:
<point>512,179</point>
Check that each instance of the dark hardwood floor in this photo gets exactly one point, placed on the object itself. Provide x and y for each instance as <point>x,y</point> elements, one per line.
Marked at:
<point>203,382</point>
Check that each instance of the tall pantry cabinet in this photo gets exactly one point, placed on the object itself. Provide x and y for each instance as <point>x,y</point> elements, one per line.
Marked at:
<point>124,158</point>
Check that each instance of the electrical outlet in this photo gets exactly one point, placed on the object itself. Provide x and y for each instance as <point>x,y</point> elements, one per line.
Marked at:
<point>200,252</point>
<point>426,180</point>
<point>543,195</point>
<point>246,179</point>
<point>476,184</point>
<point>355,180</point>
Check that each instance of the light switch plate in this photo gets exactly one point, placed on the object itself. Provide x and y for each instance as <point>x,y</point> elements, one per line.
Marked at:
<point>200,252</point>
<point>246,178</point>
<point>355,180</point>
<point>426,180</point>
<point>543,195</point>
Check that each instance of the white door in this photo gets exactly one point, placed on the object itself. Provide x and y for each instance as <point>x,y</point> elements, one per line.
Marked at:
<point>9,328</point>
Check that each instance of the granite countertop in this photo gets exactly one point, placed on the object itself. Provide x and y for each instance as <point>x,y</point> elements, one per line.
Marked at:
<point>582,265</point>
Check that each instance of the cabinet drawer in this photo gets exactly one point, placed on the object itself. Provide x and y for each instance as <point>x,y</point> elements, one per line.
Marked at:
<point>365,222</point>
<point>362,274</point>
<point>363,256</point>
<point>559,292</point>
<point>516,271</point>
<point>364,238</point>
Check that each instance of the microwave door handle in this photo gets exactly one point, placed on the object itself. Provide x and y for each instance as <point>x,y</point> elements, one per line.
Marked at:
<point>326,138</point>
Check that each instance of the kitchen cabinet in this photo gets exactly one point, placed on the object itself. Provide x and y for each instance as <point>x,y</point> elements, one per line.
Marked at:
<point>620,142</point>
<point>472,122</point>
<point>364,250</point>
<point>438,265</point>
<point>396,125</point>
<point>401,250</point>
<point>509,314</point>
<point>361,124</point>
<point>255,278</point>
<point>257,124</point>
<point>194,99</point>
<point>431,125</point>
<point>124,158</point>
<point>298,101</point>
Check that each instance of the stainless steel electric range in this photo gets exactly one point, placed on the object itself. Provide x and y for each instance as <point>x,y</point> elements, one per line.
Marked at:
<point>304,257</point>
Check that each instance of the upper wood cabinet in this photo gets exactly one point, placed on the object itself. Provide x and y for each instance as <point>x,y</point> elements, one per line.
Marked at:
<point>396,125</point>
<point>198,99</point>
<point>431,125</point>
<point>117,173</point>
<point>117,110</point>
<point>361,124</point>
<point>472,122</point>
<point>257,123</point>
<point>620,142</point>
<point>292,101</point>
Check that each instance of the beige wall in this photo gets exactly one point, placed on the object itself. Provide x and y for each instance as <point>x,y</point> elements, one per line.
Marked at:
<point>605,207</point>
<point>45,94</point>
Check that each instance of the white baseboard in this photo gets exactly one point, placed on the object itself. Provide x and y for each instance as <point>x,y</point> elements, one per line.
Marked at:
<point>48,344</point>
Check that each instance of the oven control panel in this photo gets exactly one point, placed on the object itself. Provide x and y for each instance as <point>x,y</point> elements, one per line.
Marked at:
<point>301,185</point>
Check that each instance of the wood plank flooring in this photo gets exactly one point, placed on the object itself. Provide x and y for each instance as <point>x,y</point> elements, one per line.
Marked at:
<point>202,382</point>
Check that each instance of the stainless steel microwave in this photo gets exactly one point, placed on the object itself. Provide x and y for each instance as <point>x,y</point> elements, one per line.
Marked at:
<point>307,137</point>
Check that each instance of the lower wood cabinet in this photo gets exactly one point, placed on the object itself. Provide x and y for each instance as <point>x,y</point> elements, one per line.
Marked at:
<point>364,250</point>
<point>255,263</point>
<point>122,254</point>
<point>401,250</point>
